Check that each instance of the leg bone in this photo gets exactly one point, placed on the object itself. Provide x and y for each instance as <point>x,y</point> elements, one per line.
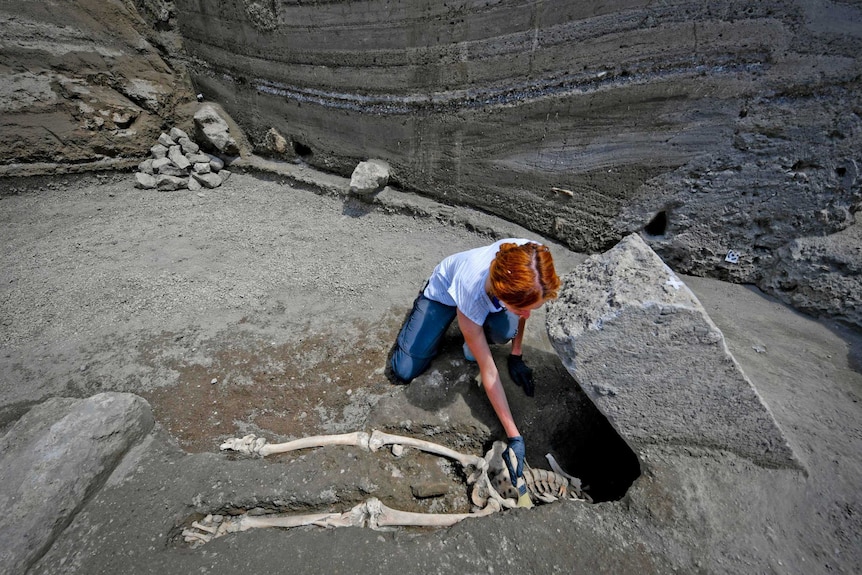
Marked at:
<point>383,516</point>
<point>379,439</point>
<point>251,445</point>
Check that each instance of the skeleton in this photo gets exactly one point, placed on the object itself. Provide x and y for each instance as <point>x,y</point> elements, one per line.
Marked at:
<point>492,487</point>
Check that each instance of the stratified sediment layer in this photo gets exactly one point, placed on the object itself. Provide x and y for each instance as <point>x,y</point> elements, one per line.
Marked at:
<point>709,126</point>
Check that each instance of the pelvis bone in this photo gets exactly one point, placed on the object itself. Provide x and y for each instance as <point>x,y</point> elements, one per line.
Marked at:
<point>492,488</point>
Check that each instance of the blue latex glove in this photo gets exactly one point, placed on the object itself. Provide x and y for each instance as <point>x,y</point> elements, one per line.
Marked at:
<point>521,374</point>
<point>516,445</point>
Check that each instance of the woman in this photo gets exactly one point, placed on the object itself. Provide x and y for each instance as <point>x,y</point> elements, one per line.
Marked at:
<point>492,291</point>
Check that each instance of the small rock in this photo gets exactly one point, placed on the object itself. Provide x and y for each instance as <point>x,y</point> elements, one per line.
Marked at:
<point>224,174</point>
<point>202,168</point>
<point>426,490</point>
<point>197,158</point>
<point>369,177</point>
<point>176,156</point>
<point>144,181</point>
<point>170,183</point>
<point>208,180</point>
<point>275,142</point>
<point>146,166</point>
<point>177,134</point>
<point>159,151</point>
<point>194,185</point>
<point>172,170</point>
<point>216,163</point>
<point>166,140</point>
<point>188,146</point>
<point>159,162</point>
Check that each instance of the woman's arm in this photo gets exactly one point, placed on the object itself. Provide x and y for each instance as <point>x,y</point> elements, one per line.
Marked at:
<point>519,337</point>
<point>474,335</point>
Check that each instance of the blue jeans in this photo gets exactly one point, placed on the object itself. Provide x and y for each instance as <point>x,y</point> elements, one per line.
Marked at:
<point>420,336</point>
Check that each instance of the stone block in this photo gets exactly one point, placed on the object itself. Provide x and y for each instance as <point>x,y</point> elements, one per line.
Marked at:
<point>175,154</point>
<point>188,146</point>
<point>166,140</point>
<point>170,183</point>
<point>644,350</point>
<point>53,459</point>
<point>159,151</point>
<point>159,162</point>
<point>214,131</point>
<point>177,134</point>
<point>171,170</point>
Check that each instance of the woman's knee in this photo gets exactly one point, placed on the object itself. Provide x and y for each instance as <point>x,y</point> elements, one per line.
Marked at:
<point>405,367</point>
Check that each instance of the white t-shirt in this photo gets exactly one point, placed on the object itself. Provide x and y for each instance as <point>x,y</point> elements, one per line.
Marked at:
<point>459,280</point>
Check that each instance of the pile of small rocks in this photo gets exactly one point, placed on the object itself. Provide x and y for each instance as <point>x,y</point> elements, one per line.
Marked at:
<point>178,163</point>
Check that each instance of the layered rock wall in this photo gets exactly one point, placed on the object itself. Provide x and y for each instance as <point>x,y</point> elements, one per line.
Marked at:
<point>82,87</point>
<point>711,126</point>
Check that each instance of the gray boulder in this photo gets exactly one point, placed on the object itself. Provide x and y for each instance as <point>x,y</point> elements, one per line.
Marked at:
<point>159,151</point>
<point>216,163</point>
<point>175,154</point>
<point>208,180</point>
<point>821,275</point>
<point>53,459</point>
<point>170,183</point>
<point>213,130</point>
<point>166,141</point>
<point>645,351</point>
<point>177,134</point>
<point>144,181</point>
<point>369,177</point>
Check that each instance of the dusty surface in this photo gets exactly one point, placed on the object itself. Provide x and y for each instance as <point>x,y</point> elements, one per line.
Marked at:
<point>290,301</point>
<point>711,126</point>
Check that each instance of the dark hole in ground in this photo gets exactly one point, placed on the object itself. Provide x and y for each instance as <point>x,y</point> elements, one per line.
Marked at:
<point>578,435</point>
<point>601,459</point>
<point>560,419</point>
<point>658,225</point>
<point>301,149</point>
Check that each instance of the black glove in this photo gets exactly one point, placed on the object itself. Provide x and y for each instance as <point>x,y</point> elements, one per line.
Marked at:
<point>516,445</point>
<point>521,374</point>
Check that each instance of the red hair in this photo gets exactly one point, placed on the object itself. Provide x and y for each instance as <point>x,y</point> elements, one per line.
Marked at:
<point>524,275</point>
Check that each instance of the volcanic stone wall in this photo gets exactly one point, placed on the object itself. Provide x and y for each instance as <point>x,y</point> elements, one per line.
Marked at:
<point>727,133</point>
<point>84,85</point>
<point>710,126</point>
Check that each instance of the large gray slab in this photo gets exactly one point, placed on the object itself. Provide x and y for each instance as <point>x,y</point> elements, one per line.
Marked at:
<point>645,351</point>
<point>53,459</point>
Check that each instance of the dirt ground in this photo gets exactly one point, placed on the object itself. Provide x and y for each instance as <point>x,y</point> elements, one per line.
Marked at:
<point>263,308</point>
